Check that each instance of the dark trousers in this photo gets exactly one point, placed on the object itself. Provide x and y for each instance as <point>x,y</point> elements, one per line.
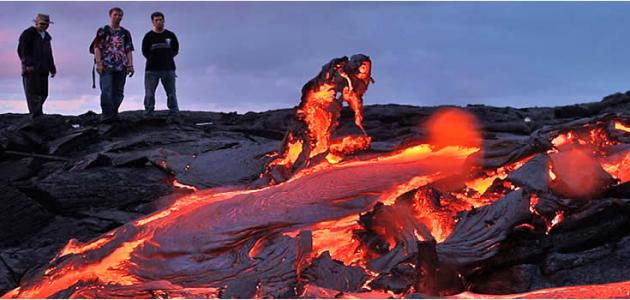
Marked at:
<point>112,91</point>
<point>36,91</point>
<point>151,80</point>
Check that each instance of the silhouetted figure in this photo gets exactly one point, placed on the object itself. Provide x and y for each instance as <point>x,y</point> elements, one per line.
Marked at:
<point>160,46</point>
<point>35,52</point>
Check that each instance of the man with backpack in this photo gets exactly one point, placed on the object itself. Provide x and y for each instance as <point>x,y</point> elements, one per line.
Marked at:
<point>160,46</point>
<point>35,52</point>
<point>112,49</point>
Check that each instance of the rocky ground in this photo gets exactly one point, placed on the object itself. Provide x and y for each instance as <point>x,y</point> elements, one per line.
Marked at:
<point>72,177</point>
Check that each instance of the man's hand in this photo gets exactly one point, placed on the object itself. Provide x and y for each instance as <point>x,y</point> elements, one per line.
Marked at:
<point>52,75</point>
<point>130,70</point>
<point>29,69</point>
<point>99,67</point>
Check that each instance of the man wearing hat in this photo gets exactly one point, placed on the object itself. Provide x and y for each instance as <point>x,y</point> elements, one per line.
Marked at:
<point>35,52</point>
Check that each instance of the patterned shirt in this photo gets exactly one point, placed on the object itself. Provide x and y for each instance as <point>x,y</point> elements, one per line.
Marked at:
<point>114,47</point>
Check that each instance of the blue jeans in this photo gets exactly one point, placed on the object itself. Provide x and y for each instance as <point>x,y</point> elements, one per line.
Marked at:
<point>151,79</point>
<point>112,91</point>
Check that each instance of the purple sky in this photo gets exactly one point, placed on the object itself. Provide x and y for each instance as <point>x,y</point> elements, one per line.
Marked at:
<point>255,56</point>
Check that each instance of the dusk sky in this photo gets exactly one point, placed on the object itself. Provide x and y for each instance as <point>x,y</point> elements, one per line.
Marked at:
<point>255,56</point>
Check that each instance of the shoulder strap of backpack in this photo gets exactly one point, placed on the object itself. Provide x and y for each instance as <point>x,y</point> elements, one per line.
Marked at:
<point>107,32</point>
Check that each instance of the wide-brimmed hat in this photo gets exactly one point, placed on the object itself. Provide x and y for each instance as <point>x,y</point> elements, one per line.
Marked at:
<point>43,19</point>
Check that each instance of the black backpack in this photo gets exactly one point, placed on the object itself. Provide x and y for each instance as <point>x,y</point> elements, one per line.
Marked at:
<point>91,50</point>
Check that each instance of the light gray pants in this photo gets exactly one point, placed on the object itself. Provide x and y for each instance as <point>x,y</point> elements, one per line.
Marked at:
<point>151,79</point>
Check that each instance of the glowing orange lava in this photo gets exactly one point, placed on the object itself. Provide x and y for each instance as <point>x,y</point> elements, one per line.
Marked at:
<point>559,217</point>
<point>453,127</point>
<point>622,127</point>
<point>318,118</point>
<point>422,187</point>
<point>310,137</point>
<point>291,153</point>
<point>337,238</point>
<point>574,174</point>
<point>180,185</point>
<point>618,167</point>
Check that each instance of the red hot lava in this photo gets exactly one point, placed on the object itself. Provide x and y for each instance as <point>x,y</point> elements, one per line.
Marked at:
<point>364,212</point>
<point>576,174</point>
<point>311,137</point>
<point>453,126</point>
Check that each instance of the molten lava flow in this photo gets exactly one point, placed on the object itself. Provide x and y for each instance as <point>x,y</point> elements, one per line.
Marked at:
<point>75,247</point>
<point>618,167</point>
<point>482,183</point>
<point>357,210</point>
<point>347,145</point>
<point>450,127</point>
<point>533,202</point>
<point>596,138</point>
<point>576,174</point>
<point>291,152</point>
<point>337,238</point>
<point>350,144</point>
<point>437,216</point>
<point>559,217</point>
<point>216,224</point>
<point>317,118</point>
<point>622,127</point>
<point>180,185</point>
<point>562,139</point>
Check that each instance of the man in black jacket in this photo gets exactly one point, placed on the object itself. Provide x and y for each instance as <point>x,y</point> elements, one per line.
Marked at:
<point>160,46</point>
<point>35,52</point>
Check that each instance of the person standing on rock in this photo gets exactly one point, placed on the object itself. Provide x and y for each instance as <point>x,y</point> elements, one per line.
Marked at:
<point>114,61</point>
<point>35,52</point>
<point>159,47</point>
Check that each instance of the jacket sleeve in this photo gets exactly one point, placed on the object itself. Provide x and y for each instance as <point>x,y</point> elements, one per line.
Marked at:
<point>146,44</point>
<point>175,45</point>
<point>25,49</point>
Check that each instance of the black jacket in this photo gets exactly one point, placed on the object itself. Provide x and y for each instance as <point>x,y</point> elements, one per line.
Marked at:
<point>160,49</point>
<point>36,52</point>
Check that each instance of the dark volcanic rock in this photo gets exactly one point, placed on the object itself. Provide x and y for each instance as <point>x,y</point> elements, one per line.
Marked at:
<point>516,279</point>
<point>328,273</point>
<point>15,170</point>
<point>241,163</point>
<point>533,175</point>
<point>592,226</point>
<point>92,161</point>
<point>399,280</point>
<point>73,142</point>
<point>105,187</point>
<point>6,278</point>
<point>239,289</point>
<point>118,172</point>
<point>562,261</point>
<point>593,266</point>
<point>20,216</point>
